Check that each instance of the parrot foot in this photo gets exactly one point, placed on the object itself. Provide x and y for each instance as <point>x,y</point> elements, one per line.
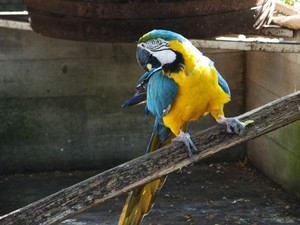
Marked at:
<point>234,126</point>
<point>186,139</point>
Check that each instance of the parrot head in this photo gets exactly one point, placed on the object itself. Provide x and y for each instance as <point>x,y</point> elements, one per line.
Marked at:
<point>162,48</point>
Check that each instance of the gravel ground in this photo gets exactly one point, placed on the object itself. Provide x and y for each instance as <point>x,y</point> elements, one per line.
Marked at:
<point>207,194</point>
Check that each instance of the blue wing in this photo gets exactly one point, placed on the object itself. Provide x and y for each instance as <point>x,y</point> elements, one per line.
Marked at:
<point>159,92</point>
<point>223,84</point>
<point>221,81</point>
<point>141,90</point>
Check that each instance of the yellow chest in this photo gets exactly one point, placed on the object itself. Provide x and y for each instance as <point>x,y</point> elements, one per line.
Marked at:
<point>197,94</point>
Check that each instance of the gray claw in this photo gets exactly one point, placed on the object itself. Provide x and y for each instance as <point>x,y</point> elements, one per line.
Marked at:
<point>186,139</point>
<point>234,126</point>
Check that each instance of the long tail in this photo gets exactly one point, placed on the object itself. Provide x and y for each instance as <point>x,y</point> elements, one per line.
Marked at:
<point>140,201</point>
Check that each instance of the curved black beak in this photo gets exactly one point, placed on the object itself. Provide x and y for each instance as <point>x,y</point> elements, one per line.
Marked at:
<point>144,58</point>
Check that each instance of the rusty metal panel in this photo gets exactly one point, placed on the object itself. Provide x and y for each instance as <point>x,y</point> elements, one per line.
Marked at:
<point>125,22</point>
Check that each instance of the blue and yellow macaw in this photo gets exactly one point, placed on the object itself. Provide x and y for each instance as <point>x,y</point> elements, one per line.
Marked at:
<point>180,85</point>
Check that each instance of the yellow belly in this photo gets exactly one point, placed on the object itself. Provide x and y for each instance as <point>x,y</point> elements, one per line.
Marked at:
<point>198,94</point>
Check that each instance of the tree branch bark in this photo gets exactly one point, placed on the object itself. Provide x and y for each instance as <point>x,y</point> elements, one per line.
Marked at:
<point>97,189</point>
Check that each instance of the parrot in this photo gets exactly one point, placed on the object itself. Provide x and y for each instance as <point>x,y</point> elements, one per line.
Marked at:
<point>179,85</point>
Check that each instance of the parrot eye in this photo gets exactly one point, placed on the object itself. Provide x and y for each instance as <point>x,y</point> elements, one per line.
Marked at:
<point>156,44</point>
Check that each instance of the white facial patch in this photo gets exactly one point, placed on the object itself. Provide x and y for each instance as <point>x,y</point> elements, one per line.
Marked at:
<point>159,48</point>
<point>165,56</point>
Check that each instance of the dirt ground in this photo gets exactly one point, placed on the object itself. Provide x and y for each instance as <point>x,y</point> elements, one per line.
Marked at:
<point>207,194</point>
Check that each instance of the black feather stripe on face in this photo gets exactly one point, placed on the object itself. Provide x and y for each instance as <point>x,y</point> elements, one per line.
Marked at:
<point>175,66</point>
<point>154,62</point>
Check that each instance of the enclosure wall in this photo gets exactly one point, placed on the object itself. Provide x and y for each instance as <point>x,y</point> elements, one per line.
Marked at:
<point>277,154</point>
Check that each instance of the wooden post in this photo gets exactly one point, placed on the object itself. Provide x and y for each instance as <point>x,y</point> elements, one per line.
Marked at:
<point>97,189</point>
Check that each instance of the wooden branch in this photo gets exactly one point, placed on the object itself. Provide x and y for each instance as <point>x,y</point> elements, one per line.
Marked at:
<point>95,190</point>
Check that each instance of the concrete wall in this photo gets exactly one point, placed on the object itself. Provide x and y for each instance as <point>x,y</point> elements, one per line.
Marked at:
<point>277,154</point>
<point>60,103</point>
<point>12,5</point>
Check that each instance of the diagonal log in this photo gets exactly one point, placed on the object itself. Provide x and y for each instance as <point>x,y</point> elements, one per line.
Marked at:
<point>97,189</point>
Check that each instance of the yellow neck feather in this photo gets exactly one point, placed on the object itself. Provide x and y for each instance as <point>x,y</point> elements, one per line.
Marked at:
<point>189,59</point>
